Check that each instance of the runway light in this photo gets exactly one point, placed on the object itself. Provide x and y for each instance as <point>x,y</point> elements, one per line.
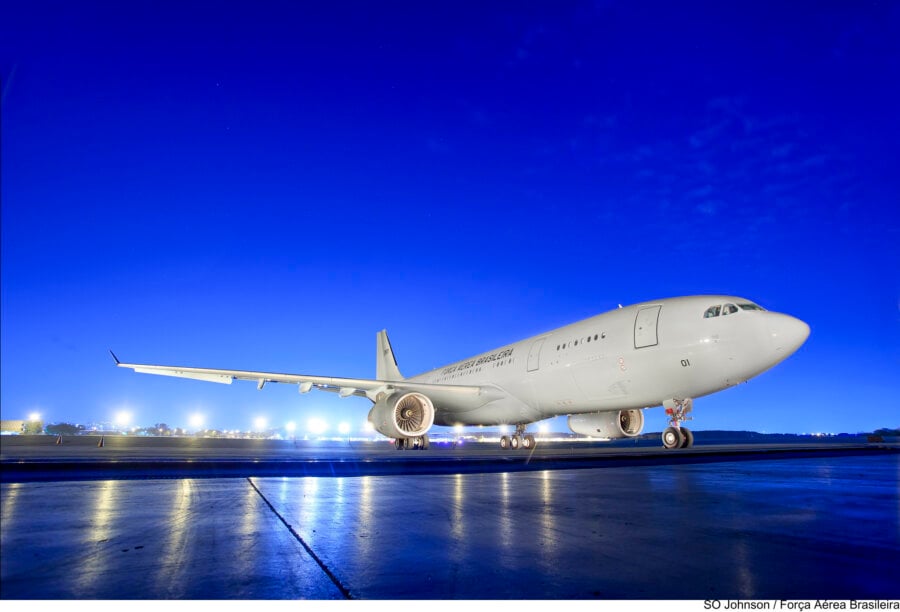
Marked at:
<point>504,429</point>
<point>543,428</point>
<point>34,416</point>
<point>123,417</point>
<point>369,426</point>
<point>316,426</point>
<point>196,421</point>
<point>344,428</point>
<point>291,427</point>
<point>260,423</point>
<point>458,429</point>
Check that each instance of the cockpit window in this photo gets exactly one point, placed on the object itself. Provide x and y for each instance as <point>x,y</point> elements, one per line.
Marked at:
<point>750,307</point>
<point>712,311</point>
<point>728,309</point>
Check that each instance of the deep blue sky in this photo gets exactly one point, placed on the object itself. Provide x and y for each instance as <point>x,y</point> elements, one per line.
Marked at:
<point>266,187</point>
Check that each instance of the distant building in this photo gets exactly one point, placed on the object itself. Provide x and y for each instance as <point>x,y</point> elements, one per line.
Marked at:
<point>12,427</point>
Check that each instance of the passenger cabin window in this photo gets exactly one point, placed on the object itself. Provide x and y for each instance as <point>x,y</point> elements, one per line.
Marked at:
<point>728,309</point>
<point>712,311</point>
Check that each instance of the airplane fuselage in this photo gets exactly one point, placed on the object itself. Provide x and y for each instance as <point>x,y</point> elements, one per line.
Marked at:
<point>628,358</point>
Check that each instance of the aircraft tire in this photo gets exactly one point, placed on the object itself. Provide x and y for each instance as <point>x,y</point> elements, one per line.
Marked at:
<point>688,438</point>
<point>515,442</point>
<point>398,444</point>
<point>504,442</point>
<point>672,438</point>
<point>426,443</point>
<point>528,442</point>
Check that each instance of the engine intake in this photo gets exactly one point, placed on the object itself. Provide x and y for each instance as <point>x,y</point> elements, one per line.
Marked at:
<point>611,424</point>
<point>403,416</point>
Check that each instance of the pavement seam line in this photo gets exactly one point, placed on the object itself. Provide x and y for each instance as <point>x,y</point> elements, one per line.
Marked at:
<point>344,590</point>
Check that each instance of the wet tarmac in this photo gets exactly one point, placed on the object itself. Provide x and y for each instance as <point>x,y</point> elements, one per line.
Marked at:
<point>797,524</point>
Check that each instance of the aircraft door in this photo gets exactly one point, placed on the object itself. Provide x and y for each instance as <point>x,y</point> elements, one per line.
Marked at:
<point>645,327</point>
<point>534,355</point>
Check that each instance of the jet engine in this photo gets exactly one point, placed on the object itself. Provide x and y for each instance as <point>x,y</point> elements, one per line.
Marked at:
<point>610,424</point>
<point>406,415</point>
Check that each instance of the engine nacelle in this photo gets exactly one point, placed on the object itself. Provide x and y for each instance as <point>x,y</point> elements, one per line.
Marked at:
<point>611,424</point>
<point>406,415</point>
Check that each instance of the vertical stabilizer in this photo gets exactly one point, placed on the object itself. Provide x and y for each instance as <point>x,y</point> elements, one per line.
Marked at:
<point>385,362</point>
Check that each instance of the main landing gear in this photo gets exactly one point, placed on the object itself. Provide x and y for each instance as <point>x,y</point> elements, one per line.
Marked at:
<point>417,443</point>
<point>676,436</point>
<point>517,441</point>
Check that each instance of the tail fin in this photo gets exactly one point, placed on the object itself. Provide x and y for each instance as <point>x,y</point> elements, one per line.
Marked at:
<point>385,362</point>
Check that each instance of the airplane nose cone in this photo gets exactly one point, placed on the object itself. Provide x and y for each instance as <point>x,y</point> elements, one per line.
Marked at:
<point>787,333</point>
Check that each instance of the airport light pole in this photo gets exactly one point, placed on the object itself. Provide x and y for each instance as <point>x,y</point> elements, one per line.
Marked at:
<point>123,418</point>
<point>316,426</point>
<point>34,424</point>
<point>196,422</point>
<point>259,425</point>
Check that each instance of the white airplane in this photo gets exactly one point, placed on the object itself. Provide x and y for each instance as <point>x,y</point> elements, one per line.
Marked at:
<point>602,372</point>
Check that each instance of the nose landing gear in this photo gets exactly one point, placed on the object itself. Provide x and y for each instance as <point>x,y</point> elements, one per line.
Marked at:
<point>676,436</point>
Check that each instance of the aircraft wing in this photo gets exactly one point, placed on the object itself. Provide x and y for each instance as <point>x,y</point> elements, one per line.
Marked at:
<point>449,397</point>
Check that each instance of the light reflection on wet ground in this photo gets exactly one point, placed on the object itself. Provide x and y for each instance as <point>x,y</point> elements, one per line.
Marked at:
<point>802,528</point>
